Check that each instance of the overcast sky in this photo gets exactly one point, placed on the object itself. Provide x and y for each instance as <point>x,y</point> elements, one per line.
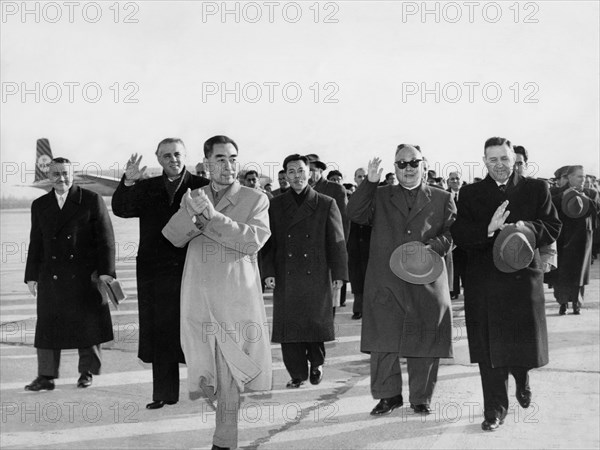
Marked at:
<point>345,80</point>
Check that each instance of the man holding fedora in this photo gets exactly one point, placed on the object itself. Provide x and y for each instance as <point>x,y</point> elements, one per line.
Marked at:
<point>406,310</point>
<point>578,209</point>
<point>501,223</point>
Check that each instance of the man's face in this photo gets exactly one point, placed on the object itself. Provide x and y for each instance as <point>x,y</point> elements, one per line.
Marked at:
<point>171,157</point>
<point>222,164</point>
<point>577,179</point>
<point>454,181</point>
<point>409,176</point>
<point>390,179</point>
<point>359,176</point>
<point>335,179</point>
<point>297,174</point>
<point>61,176</point>
<point>252,181</point>
<point>520,164</point>
<point>283,182</point>
<point>499,160</point>
<point>564,179</point>
<point>315,173</point>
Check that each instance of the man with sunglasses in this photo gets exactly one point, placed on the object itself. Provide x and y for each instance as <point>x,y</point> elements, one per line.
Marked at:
<point>402,319</point>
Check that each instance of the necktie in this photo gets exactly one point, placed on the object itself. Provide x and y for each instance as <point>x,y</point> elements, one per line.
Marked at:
<point>502,187</point>
<point>455,197</point>
<point>61,201</point>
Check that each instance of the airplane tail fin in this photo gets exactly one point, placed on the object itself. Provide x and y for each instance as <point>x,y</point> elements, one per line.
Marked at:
<point>43,156</point>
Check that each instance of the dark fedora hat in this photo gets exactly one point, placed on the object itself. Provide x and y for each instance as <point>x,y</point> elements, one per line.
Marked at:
<point>575,204</point>
<point>514,247</point>
<point>415,263</point>
<point>314,159</point>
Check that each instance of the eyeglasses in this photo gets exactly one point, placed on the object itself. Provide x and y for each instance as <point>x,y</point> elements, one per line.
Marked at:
<point>402,164</point>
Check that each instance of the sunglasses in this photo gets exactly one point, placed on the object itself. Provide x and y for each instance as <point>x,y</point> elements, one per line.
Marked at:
<point>414,163</point>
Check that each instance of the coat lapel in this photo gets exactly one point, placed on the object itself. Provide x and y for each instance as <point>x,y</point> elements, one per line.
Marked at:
<point>422,200</point>
<point>230,198</point>
<point>72,203</point>
<point>306,209</point>
<point>397,199</point>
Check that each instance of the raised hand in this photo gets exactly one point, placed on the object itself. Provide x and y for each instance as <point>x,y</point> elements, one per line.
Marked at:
<point>374,171</point>
<point>132,168</point>
<point>499,217</point>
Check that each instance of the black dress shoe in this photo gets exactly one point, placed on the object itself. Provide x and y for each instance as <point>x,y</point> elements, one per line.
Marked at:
<point>157,404</point>
<point>523,395</point>
<point>356,316</point>
<point>216,447</point>
<point>562,310</point>
<point>453,296</point>
<point>424,409</point>
<point>41,383</point>
<point>294,383</point>
<point>387,405</point>
<point>85,380</point>
<point>491,425</point>
<point>576,308</point>
<point>316,374</point>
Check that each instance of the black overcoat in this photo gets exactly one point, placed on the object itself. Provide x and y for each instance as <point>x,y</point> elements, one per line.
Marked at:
<point>505,312</point>
<point>66,246</point>
<point>305,253</point>
<point>159,267</point>
<point>574,245</point>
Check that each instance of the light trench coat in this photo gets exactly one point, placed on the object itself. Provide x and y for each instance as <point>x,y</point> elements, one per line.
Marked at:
<point>221,296</point>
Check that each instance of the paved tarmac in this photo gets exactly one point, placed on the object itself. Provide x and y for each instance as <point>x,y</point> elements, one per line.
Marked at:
<point>335,414</point>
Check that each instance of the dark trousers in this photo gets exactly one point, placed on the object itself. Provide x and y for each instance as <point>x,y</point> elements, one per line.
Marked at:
<point>386,377</point>
<point>343,294</point>
<point>90,360</point>
<point>459,263</point>
<point>494,381</point>
<point>358,302</point>
<point>165,381</point>
<point>297,355</point>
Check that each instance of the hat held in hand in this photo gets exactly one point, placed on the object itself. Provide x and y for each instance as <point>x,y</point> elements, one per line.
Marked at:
<point>415,263</point>
<point>575,204</point>
<point>514,247</point>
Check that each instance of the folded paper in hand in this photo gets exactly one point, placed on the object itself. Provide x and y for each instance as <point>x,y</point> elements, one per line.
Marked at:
<point>110,290</point>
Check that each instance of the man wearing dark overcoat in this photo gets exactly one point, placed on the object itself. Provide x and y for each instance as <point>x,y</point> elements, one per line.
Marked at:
<point>304,260</point>
<point>459,256</point>
<point>71,244</point>
<point>402,319</point>
<point>574,244</point>
<point>505,312</point>
<point>159,266</point>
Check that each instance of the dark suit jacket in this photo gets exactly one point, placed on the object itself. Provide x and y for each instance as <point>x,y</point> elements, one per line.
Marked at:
<point>159,264</point>
<point>505,312</point>
<point>66,246</point>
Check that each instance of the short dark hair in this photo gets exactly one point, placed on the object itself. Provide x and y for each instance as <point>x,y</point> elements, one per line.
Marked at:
<point>520,150</point>
<point>389,174</point>
<point>294,157</point>
<point>333,173</point>
<point>281,172</point>
<point>169,141</point>
<point>219,139</point>
<point>60,160</point>
<point>496,142</point>
<point>250,172</point>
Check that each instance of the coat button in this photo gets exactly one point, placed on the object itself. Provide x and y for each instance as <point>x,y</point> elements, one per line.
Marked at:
<point>289,273</point>
<point>289,235</point>
<point>308,235</point>
<point>71,256</point>
<point>53,257</point>
<point>308,272</point>
<point>68,236</point>
<point>289,255</point>
<point>54,277</point>
<point>306,255</point>
<point>408,232</point>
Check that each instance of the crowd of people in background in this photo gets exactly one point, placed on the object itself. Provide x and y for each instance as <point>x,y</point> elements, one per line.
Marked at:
<point>408,244</point>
